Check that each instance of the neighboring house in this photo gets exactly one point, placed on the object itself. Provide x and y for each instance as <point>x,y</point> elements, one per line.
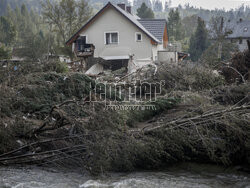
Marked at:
<point>114,33</point>
<point>240,33</point>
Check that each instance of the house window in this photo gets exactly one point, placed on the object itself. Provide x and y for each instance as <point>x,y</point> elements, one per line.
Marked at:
<point>80,42</point>
<point>111,38</point>
<point>138,37</point>
<point>240,41</point>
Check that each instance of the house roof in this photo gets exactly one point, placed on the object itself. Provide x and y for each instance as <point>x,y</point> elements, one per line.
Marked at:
<point>127,15</point>
<point>155,26</point>
<point>241,29</point>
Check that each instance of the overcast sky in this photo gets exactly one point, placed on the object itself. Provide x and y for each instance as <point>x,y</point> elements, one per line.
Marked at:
<point>212,4</point>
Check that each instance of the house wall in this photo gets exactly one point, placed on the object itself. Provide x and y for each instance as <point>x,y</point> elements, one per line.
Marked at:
<point>243,46</point>
<point>111,21</point>
<point>155,49</point>
<point>165,37</point>
<point>166,56</point>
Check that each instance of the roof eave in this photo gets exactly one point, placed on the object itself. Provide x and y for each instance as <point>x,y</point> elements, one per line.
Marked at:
<point>157,41</point>
<point>73,38</point>
<point>160,41</point>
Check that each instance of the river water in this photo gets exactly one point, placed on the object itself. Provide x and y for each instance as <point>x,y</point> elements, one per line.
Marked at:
<point>185,175</point>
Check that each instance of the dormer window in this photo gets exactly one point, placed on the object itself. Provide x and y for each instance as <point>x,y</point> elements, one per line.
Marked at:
<point>245,29</point>
<point>138,37</point>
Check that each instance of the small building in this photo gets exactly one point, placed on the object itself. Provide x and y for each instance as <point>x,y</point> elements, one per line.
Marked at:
<point>115,34</point>
<point>60,58</point>
<point>240,34</point>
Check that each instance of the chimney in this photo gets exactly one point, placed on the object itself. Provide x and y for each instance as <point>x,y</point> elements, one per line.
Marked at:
<point>241,20</point>
<point>122,6</point>
<point>128,9</point>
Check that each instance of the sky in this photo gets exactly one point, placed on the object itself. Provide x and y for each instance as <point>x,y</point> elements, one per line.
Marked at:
<point>212,4</point>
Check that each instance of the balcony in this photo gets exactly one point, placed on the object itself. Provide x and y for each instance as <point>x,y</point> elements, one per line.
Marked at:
<point>84,50</point>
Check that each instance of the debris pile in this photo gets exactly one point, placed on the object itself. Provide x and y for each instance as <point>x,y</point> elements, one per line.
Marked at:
<point>46,118</point>
<point>188,77</point>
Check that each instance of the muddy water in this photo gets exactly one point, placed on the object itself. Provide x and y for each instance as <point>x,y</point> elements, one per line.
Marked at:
<point>185,175</point>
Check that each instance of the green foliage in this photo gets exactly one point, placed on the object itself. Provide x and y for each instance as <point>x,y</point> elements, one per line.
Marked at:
<point>185,44</point>
<point>24,25</point>
<point>4,52</point>
<point>31,4</point>
<point>25,68</point>
<point>34,46</point>
<point>40,91</point>
<point>109,145</point>
<point>231,95</point>
<point>189,24</point>
<point>161,105</point>
<point>28,38</point>
<point>210,55</point>
<point>189,77</point>
<point>63,50</point>
<point>145,12</point>
<point>66,16</point>
<point>56,66</point>
<point>7,31</point>
<point>137,3</point>
<point>198,41</point>
<point>174,25</point>
<point>7,138</point>
<point>157,4</point>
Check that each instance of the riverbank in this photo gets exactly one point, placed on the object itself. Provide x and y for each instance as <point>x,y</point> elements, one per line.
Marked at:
<point>188,175</point>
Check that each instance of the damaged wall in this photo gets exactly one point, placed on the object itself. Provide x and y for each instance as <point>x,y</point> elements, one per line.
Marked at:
<point>155,50</point>
<point>168,56</point>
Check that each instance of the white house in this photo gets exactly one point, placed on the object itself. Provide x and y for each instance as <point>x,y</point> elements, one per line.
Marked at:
<point>240,33</point>
<point>114,33</point>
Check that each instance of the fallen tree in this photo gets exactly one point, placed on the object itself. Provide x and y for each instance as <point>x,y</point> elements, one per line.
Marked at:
<point>199,120</point>
<point>46,119</point>
<point>221,136</point>
<point>238,69</point>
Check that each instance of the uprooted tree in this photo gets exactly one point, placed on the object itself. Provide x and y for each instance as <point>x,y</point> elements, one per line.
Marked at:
<point>238,70</point>
<point>47,119</point>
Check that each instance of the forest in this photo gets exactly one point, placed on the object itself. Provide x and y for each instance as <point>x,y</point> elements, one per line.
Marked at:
<point>25,19</point>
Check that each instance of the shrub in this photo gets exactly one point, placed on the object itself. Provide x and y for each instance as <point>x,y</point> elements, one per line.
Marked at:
<point>56,66</point>
<point>189,77</point>
<point>4,52</point>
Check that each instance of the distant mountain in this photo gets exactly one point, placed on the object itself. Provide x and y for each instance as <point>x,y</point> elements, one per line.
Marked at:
<point>36,4</point>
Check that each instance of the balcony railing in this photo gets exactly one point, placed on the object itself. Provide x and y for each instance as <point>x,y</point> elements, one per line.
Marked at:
<point>85,50</point>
